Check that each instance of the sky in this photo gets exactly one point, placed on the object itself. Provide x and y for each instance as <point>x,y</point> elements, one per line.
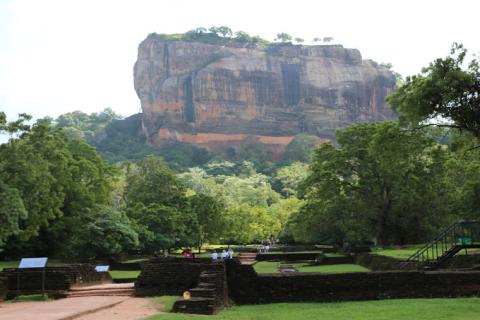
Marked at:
<point>58,56</point>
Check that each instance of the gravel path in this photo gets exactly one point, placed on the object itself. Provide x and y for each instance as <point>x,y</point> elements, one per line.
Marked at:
<point>130,309</point>
<point>84,308</point>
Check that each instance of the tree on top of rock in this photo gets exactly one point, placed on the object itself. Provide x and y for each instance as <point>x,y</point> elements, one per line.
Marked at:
<point>283,37</point>
<point>222,31</point>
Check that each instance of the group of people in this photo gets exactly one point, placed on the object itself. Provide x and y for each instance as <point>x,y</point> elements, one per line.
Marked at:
<point>226,254</point>
<point>265,245</point>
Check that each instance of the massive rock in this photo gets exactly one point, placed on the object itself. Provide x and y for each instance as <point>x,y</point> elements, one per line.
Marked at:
<point>218,95</point>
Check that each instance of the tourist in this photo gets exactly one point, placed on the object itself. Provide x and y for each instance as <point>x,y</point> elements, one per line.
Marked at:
<point>187,253</point>
<point>267,247</point>
<point>214,255</point>
<point>224,254</point>
<point>230,253</point>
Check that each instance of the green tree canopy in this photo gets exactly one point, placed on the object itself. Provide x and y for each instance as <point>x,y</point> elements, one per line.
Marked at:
<point>158,206</point>
<point>382,183</point>
<point>446,93</point>
<point>283,37</point>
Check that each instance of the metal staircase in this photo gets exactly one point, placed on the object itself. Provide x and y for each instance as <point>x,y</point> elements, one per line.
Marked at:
<point>460,235</point>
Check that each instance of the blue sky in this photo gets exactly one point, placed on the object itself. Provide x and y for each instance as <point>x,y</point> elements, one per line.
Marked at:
<point>58,56</point>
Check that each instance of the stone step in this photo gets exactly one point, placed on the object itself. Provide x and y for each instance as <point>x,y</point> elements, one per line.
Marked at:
<point>117,292</point>
<point>109,286</point>
<point>206,285</point>
<point>111,289</point>
<point>203,292</point>
<point>195,306</point>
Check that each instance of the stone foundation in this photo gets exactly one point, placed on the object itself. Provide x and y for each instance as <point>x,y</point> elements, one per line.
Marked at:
<point>247,287</point>
<point>172,276</point>
<point>58,280</point>
<point>3,288</point>
<point>376,262</point>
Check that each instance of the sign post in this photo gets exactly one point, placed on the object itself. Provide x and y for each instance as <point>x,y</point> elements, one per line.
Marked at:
<point>102,268</point>
<point>32,263</point>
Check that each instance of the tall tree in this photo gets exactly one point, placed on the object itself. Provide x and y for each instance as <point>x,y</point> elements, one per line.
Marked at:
<point>382,182</point>
<point>283,37</point>
<point>446,93</point>
<point>157,204</point>
<point>210,219</point>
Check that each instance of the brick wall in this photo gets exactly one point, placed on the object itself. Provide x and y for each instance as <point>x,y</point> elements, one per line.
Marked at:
<point>376,262</point>
<point>246,287</point>
<point>3,288</point>
<point>58,280</point>
<point>172,275</point>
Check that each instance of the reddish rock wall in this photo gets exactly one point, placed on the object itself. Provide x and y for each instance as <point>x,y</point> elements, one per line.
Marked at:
<point>214,96</point>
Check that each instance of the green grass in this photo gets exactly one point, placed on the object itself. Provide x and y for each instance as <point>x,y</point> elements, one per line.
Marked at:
<point>166,301</point>
<point>8,264</point>
<point>266,267</point>
<point>272,267</point>
<point>32,297</point>
<point>120,274</point>
<point>401,253</point>
<point>335,268</point>
<point>291,252</point>
<point>135,260</point>
<point>404,309</point>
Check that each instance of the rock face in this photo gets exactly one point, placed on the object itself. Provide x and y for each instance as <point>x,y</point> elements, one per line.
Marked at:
<point>217,96</point>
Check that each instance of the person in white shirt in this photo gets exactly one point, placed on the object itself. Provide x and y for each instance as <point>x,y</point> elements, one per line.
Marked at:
<point>214,255</point>
<point>230,253</point>
<point>224,255</point>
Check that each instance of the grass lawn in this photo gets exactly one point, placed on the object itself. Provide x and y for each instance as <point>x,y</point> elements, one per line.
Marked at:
<point>272,267</point>
<point>8,264</point>
<point>120,274</point>
<point>298,252</point>
<point>32,297</point>
<point>401,253</point>
<point>335,268</point>
<point>404,309</point>
<point>166,301</point>
<point>266,267</point>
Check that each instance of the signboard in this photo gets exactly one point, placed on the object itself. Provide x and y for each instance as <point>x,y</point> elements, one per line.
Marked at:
<point>32,263</point>
<point>102,268</point>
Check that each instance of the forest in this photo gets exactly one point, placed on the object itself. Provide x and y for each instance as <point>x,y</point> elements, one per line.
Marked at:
<point>87,185</point>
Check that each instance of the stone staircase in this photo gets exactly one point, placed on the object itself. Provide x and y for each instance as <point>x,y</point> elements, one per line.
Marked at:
<point>207,297</point>
<point>247,258</point>
<point>111,289</point>
<point>286,268</point>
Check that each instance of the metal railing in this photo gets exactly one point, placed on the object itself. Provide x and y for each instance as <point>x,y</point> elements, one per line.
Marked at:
<point>460,235</point>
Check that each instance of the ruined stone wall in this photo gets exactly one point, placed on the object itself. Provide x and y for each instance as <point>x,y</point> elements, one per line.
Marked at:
<point>376,262</point>
<point>58,280</point>
<point>172,276</point>
<point>3,288</point>
<point>246,287</point>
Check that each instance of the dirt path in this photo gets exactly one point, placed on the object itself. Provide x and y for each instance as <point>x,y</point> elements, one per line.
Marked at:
<point>57,309</point>
<point>130,309</point>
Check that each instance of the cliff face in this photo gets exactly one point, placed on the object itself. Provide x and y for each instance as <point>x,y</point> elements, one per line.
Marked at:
<point>215,96</point>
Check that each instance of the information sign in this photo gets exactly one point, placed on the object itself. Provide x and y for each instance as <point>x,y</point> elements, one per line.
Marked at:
<point>102,268</point>
<point>32,263</point>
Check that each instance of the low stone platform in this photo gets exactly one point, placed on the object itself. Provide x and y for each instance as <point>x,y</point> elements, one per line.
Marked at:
<point>110,289</point>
